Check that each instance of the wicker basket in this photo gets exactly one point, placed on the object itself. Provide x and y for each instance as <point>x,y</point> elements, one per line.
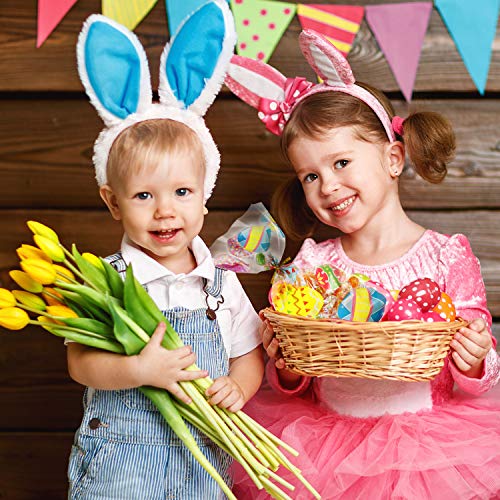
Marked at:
<point>397,350</point>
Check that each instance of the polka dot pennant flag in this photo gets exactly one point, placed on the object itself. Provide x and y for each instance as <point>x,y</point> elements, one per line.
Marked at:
<point>129,13</point>
<point>338,23</point>
<point>260,24</point>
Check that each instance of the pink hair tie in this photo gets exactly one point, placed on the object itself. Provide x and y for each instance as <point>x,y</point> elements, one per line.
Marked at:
<point>397,125</point>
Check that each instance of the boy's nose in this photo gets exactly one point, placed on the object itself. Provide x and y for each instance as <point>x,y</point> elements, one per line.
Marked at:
<point>164,209</point>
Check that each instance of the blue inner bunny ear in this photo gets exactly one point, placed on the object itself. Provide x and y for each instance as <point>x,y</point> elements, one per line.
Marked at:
<point>113,68</point>
<point>194,53</point>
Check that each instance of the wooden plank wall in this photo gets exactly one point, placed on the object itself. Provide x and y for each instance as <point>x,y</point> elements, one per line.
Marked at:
<point>47,129</point>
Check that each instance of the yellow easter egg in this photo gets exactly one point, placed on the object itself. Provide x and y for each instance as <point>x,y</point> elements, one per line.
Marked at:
<point>304,301</point>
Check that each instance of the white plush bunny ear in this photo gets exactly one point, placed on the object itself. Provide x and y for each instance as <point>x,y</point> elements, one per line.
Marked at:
<point>113,68</point>
<point>194,62</point>
<point>328,63</point>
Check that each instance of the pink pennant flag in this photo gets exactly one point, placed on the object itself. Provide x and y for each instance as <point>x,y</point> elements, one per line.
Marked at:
<point>338,23</point>
<point>400,30</point>
<point>50,14</point>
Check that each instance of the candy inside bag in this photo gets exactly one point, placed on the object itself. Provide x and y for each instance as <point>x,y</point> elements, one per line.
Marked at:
<point>252,244</point>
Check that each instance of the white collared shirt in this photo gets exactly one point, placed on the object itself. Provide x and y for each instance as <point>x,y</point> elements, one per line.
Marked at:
<point>236,316</point>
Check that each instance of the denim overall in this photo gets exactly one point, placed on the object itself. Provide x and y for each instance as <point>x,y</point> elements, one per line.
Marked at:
<point>124,449</point>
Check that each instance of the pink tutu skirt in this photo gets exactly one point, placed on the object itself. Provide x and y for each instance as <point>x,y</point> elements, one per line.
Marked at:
<point>450,452</point>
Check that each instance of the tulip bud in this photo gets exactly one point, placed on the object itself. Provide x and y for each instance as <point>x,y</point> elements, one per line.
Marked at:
<point>25,281</point>
<point>90,257</point>
<point>43,230</point>
<point>61,311</point>
<point>29,300</point>
<point>47,321</point>
<point>50,248</point>
<point>31,252</point>
<point>40,270</point>
<point>13,318</point>
<point>50,294</point>
<point>64,274</point>
<point>7,299</point>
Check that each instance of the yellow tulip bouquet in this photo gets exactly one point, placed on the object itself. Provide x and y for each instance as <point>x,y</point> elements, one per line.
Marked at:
<point>82,298</point>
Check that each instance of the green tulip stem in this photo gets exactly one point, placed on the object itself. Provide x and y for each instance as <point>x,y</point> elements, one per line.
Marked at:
<point>77,272</point>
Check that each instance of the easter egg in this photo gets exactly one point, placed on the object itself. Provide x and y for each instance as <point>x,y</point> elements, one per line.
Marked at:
<point>236,249</point>
<point>445,308</point>
<point>255,238</point>
<point>432,317</point>
<point>389,299</point>
<point>395,294</point>
<point>404,309</point>
<point>327,277</point>
<point>362,304</point>
<point>287,272</point>
<point>425,292</point>
<point>301,301</point>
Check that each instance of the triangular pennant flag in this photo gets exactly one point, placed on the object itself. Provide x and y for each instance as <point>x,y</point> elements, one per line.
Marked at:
<point>129,13</point>
<point>260,24</point>
<point>50,14</point>
<point>400,30</point>
<point>338,23</point>
<point>472,25</point>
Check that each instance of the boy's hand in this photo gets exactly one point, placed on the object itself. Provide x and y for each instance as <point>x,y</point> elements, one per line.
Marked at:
<point>470,346</point>
<point>160,367</point>
<point>270,343</point>
<point>226,393</point>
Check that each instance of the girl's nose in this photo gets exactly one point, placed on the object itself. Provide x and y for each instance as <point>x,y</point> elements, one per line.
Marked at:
<point>329,185</point>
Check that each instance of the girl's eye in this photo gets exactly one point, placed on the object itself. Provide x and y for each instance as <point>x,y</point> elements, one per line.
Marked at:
<point>310,178</point>
<point>143,196</point>
<point>341,164</point>
<point>182,191</point>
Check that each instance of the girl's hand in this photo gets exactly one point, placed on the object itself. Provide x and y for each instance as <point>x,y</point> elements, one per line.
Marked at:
<point>470,346</point>
<point>226,393</point>
<point>270,343</point>
<point>160,367</point>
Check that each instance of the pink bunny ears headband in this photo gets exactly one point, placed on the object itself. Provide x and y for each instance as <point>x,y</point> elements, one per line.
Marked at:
<point>275,96</point>
<point>114,70</point>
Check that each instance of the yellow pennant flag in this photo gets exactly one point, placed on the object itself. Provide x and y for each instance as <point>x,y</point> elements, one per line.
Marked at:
<point>127,12</point>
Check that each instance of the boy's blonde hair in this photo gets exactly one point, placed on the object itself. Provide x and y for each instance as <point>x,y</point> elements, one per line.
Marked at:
<point>145,144</point>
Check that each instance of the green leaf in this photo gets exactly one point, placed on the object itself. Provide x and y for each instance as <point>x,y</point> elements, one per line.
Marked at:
<point>92,274</point>
<point>92,325</point>
<point>81,338</point>
<point>83,307</point>
<point>115,281</point>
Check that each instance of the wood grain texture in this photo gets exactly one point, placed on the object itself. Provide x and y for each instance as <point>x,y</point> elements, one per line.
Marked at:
<point>52,67</point>
<point>46,150</point>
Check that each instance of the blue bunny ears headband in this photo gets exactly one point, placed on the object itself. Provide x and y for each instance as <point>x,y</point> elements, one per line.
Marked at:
<point>113,67</point>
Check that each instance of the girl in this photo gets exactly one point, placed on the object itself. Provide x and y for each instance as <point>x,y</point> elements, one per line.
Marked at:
<point>156,165</point>
<point>362,438</point>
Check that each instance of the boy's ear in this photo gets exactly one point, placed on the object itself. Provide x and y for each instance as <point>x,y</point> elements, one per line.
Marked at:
<point>108,196</point>
<point>396,158</point>
<point>205,210</point>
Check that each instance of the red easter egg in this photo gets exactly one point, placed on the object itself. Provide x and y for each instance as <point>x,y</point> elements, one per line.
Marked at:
<point>445,308</point>
<point>404,309</point>
<point>432,317</point>
<point>425,292</point>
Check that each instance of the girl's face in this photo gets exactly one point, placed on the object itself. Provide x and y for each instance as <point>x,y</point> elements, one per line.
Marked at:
<point>348,183</point>
<point>161,208</point>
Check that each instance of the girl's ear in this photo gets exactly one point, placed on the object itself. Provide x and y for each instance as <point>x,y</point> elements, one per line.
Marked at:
<point>396,158</point>
<point>113,68</point>
<point>109,197</point>
<point>194,62</point>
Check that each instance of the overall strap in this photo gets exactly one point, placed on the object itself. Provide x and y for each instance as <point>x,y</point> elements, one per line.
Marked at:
<point>117,261</point>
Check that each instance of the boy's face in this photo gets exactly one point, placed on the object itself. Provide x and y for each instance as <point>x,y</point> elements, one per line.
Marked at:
<point>161,208</point>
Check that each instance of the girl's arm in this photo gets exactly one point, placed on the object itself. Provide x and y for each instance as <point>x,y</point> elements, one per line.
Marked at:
<point>154,366</point>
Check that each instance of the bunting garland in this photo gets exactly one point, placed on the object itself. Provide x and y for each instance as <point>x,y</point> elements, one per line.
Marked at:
<point>50,14</point>
<point>338,23</point>
<point>129,13</point>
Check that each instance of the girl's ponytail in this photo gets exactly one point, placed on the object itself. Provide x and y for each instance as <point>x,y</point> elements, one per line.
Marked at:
<point>430,144</point>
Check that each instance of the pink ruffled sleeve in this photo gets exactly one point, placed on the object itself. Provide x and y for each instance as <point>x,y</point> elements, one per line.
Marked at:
<point>274,381</point>
<point>460,271</point>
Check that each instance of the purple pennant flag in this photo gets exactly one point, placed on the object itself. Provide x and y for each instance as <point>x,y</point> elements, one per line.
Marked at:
<point>400,30</point>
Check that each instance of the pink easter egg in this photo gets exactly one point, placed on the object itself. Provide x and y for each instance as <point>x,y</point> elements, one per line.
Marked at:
<point>425,292</point>
<point>432,317</point>
<point>404,309</point>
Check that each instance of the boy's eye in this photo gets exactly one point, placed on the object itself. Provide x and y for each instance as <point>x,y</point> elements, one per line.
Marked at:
<point>310,178</point>
<point>143,196</point>
<point>341,164</point>
<point>182,191</point>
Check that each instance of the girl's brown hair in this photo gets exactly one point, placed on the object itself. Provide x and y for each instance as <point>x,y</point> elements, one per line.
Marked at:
<point>145,144</point>
<point>428,137</point>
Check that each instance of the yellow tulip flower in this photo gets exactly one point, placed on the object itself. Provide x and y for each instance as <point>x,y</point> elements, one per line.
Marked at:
<point>31,252</point>
<point>64,274</point>
<point>13,318</point>
<point>25,281</point>
<point>49,295</point>
<point>50,248</point>
<point>61,311</point>
<point>40,270</point>
<point>29,300</point>
<point>90,257</point>
<point>48,321</point>
<point>43,230</point>
<point>7,299</point>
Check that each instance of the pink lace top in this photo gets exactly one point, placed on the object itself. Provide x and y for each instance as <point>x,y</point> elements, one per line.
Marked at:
<point>449,261</point>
